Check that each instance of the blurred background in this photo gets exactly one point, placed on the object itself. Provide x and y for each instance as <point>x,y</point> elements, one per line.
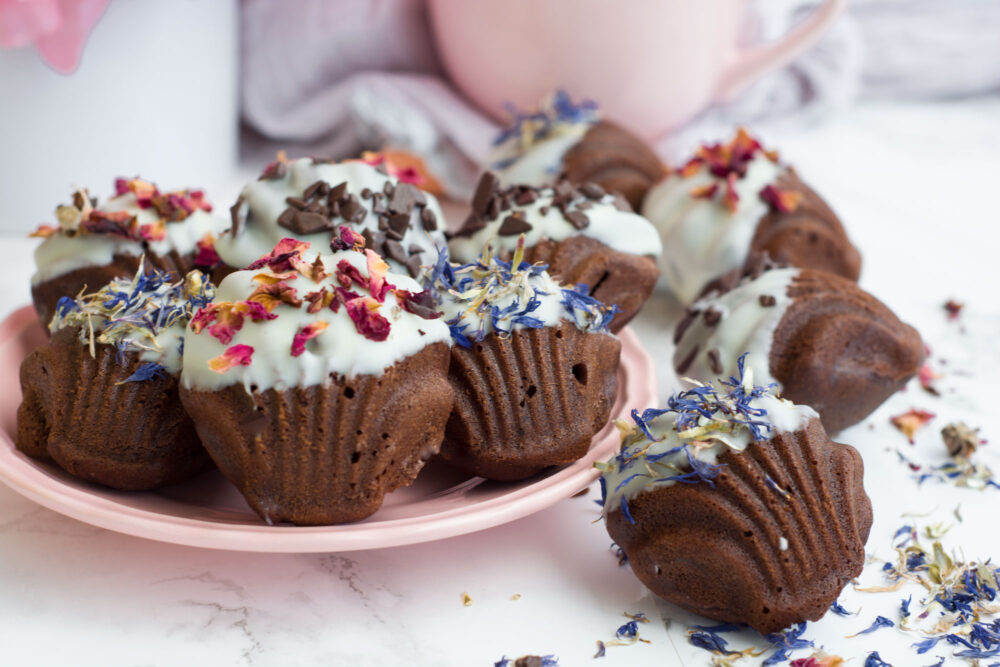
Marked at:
<point>201,94</point>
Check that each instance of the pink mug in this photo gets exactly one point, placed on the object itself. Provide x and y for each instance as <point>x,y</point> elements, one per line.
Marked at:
<point>650,64</point>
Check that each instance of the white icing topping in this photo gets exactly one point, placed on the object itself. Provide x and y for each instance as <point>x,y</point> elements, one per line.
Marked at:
<point>542,162</point>
<point>265,200</point>
<point>703,238</point>
<point>60,254</point>
<point>746,325</point>
<point>623,231</point>
<point>339,348</point>
<point>648,464</point>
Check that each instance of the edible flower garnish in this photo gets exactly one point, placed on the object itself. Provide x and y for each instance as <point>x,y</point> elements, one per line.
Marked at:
<point>911,421</point>
<point>83,216</point>
<point>556,116</point>
<point>495,296</point>
<point>131,314</point>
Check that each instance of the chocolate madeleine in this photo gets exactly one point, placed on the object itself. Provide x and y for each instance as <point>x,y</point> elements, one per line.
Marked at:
<point>585,235</point>
<point>327,453</point>
<point>95,243</point>
<point>733,202</point>
<point>826,342</point>
<point>318,383</point>
<point>534,369</point>
<point>102,402</point>
<point>567,141</point>
<point>771,520</point>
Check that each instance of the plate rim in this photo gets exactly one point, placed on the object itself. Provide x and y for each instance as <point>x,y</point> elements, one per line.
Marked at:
<point>21,474</point>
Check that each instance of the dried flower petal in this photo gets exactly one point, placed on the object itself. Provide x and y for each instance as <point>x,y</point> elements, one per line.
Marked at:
<point>363,311</point>
<point>912,421</point>
<point>306,334</point>
<point>237,355</point>
<point>784,201</point>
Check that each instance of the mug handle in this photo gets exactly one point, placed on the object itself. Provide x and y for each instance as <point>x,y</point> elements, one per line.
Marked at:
<point>751,63</point>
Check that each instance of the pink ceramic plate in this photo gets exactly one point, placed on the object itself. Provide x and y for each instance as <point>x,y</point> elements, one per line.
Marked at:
<point>209,512</point>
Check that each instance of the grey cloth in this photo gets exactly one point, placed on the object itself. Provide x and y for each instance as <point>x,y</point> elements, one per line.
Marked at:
<point>333,78</point>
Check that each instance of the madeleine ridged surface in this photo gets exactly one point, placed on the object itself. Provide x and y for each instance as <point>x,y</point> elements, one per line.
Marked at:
<point>810,236</point>
<point>528,401</point>
<point>131,436</point>
<point>841,350</point>
<point>327,453</point>
<point>615,159</point>
<point>46,295</point>
<point>613,277</point>
<point>718,551</point>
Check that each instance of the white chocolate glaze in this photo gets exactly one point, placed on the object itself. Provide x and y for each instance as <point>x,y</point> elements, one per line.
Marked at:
<point>60,254</point>
<point>620,230</point>
<point>539,164</point>
<point>745,325</point>
<point>646,464</point>
<point>702,238</point>
<point>264,200</point>
<point>339,348</point>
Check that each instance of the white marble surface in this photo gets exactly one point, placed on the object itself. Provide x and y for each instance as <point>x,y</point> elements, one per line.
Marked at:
<point>917,189</point>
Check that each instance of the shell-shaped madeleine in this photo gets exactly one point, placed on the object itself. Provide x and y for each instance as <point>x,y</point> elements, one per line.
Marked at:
<point>615,159</point>
<point>78,411</point>
<point>530,400</point>
<point>771,544</point>
<point>841,350</point>
<point>328,453</point>
<point>47,294</point>
<point>810,236</point>
<point>613,277</point>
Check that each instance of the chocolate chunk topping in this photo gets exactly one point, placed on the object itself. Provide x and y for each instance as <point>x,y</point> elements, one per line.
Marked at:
<point>353,210</point>
<point>526,197</point>
<point>413,266</point>
<point>403,198</point>
<point>514,225</point>
<point>689,318</point>
<point>767,300</point>
<point>399,223</point>
<point>307,222</point>
<point>414,249</point>
<point>317,188</point>
<point>488,184</point>
<point>394,250</point>
<point>429,220</point>
<point>366,193</point>
<point>687,361</point>
<point>621,203</point>
<point>714,361</point>
<point>578,219</point>
<point>712,317</point>
<point>366,234</point>
<point>592,190</point>
<point>237,216</point>
<point>338,192</point>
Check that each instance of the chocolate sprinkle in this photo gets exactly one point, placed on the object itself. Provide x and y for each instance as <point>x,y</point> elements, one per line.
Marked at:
<point>514,225</point>
<point>712,317</point>
<point>767,300</point>
<point>592,190</point>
